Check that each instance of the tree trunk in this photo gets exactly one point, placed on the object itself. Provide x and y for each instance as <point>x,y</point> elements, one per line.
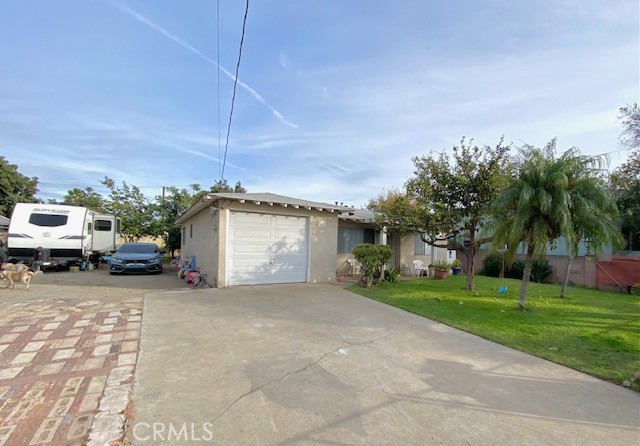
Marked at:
<point>526,277</point>
<point>471,260</point>
<point>563,292</point>
<point>471,257</point>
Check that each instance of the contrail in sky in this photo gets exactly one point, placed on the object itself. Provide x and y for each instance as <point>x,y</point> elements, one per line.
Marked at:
<point>183,43</point>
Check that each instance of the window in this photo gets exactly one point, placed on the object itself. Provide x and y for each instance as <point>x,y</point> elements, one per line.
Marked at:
<point>348,238</point>
<point>117,226</point>
<point>190,231</point>
<point>184,235</point>
<point>102,225</point>
<point>48,220</point>
<point>419,247</point>
<point>88,227</point>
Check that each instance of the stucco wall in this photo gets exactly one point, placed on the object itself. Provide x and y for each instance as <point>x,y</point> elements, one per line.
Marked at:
<point>408,255</point>
<point>203,243</point>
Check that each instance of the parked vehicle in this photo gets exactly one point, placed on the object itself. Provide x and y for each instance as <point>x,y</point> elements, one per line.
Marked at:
<point>48,235</point>
<point>137,258</point>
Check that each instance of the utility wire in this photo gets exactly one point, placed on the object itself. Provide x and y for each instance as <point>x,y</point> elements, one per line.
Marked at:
<point>218,65</point>
<point>235,85</point>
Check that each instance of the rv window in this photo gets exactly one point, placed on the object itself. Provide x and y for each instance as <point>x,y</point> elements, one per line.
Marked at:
<point>102,225</point>
<point>49,220</point>
<point>118,226</point>
<point>88,227</point>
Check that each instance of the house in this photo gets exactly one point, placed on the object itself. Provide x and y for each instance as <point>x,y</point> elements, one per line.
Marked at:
<point>264,238</point>
<point>359,227</point>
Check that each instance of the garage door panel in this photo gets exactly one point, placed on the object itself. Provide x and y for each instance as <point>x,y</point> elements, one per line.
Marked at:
<point>290,235</point>
<point>266,248</point>
<point>250,218</point>
<point>251,233</point>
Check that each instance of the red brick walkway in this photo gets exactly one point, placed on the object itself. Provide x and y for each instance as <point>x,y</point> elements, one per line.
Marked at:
<point>64,370</point>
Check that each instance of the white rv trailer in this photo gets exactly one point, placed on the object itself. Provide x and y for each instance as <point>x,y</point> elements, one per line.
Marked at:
<point>68,234</point>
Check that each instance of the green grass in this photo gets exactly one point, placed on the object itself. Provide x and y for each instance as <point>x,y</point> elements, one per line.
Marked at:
<point>595,332</point>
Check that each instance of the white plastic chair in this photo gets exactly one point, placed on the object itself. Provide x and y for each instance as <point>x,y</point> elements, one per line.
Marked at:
<point>354,267</point>
<point>419,267</point>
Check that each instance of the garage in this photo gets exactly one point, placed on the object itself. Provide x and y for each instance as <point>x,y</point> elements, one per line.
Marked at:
<point>267,248</point>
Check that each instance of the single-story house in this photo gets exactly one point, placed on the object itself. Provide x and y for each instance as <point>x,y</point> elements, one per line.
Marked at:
<point>264,238</point>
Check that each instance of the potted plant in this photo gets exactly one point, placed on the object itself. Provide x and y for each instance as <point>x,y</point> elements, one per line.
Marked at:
<point>456,266</point>
<point>441,269</point>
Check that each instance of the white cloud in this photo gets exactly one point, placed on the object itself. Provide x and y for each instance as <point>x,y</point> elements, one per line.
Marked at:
<point>183,43</point>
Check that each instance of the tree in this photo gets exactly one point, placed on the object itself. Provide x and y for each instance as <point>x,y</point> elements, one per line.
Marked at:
<point>448,199</point>
<point>624,183</point>
<point>133,208</point>
<point>170,205</point>
<point>630,117</point>
<point>15,187</point>
<point>87,197</point>
<point>534,209</point>
<point>222,186</point>
<point>593,210</point>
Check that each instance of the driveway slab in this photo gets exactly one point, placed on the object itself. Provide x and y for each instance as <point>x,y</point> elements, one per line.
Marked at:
<point>314,364</point>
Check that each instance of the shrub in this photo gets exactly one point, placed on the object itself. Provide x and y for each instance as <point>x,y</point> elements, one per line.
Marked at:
<point>491,265</point>
<point>516,270</point>
<point>372,258</point>
<point>456,263</point>
<point>540,270</point>
<point>391,275</point>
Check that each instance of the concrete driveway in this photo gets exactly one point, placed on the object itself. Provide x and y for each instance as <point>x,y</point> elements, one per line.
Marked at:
<point>307,364</point>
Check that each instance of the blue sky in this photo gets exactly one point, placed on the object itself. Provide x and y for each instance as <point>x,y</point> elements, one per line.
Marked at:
<point>336,96</point>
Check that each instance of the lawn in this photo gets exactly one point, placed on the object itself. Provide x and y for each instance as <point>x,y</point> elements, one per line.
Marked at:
<point>592,331</point>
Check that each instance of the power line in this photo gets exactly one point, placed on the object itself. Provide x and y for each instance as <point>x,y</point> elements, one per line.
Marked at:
<point>235,85</point>
<point>218,66</point>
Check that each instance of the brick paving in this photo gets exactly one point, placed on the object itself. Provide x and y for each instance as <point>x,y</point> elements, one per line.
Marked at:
<point>66,367</point>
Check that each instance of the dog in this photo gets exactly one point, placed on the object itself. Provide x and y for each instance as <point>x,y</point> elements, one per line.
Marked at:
<point>15,276</point>
<point>18,267</point>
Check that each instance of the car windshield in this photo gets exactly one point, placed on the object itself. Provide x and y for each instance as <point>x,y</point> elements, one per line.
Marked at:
<point>138,248</point>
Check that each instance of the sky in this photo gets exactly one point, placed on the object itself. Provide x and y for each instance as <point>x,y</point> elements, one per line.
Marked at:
<point>334,97</point>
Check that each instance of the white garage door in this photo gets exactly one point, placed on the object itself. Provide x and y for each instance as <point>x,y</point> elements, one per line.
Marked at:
<point>265,248</point>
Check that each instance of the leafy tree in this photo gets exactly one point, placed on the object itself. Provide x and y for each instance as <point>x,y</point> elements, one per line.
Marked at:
<point>133,208</point>
<point>373,258</point>
<point>15,187</point>
<point>222,186</point>
<point>630,117</point>
<point>449,198</point>
<point>534,209</point>
<point>169,206</point>
<point>86,197</point>
<point>624,183</point>
<point>593,210</point>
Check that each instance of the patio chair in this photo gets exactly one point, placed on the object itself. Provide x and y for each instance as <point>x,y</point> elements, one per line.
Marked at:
<point>419,268</point>
<point>354,267</point>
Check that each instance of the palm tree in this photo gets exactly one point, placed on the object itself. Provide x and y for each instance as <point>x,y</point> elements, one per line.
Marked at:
<point>592,207</point>
<point>534,209</point>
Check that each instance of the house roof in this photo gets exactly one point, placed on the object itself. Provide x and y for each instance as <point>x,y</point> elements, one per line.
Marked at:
<point>4,221</point>
<point>261,198</point>
<point>360,216</point>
